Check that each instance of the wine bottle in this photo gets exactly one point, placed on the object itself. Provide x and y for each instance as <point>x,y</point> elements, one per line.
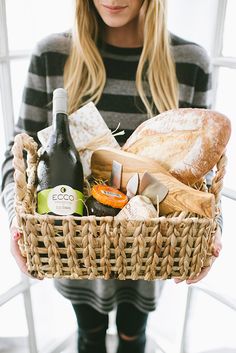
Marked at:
<point>60,172</point>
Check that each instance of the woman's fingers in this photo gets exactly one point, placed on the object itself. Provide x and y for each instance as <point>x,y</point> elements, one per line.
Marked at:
<point>15,250</point>
<point>177,280</point>
<point>217,244</point>
<point>16,235</point>
<point>217,247</point>
<point>201,275</point>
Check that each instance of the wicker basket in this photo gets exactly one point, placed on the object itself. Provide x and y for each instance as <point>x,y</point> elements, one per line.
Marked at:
<point>179,245</point>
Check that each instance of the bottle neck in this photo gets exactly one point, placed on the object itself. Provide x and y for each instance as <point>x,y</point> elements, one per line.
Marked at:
<point>61,131</point>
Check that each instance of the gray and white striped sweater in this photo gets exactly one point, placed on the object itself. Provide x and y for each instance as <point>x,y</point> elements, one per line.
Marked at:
<point>119,103</point>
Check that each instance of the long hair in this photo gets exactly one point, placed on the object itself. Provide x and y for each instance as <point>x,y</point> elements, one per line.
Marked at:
<point>85,76</point>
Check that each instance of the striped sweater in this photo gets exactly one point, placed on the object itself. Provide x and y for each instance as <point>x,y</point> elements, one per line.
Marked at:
<point>119,103</point>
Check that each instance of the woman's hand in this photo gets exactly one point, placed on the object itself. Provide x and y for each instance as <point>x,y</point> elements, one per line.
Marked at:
<point>15,250</point>
<point>205,270</point>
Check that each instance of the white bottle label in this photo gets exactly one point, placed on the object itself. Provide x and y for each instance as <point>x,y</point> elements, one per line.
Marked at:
<point>61,200</point>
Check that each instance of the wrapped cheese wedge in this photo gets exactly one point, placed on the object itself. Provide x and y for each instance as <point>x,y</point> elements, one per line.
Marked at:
<point>138,208</point>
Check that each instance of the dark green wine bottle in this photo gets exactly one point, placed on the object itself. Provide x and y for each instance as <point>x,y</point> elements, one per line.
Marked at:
<point>60,172</point>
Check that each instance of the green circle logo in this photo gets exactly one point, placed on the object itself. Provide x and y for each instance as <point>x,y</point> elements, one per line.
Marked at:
<point>63,189</point>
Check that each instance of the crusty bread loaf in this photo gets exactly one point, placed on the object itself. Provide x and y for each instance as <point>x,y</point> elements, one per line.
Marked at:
<point>188,142</point>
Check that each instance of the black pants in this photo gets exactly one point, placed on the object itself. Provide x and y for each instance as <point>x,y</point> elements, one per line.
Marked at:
<point>93,325</point>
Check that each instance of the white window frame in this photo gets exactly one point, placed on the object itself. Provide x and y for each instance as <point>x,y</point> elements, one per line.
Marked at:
<point>23,287</point>
<point>5,76</point>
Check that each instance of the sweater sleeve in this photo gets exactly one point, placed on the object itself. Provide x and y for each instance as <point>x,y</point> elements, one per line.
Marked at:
<point>33,117</point>
<point>203,85</point>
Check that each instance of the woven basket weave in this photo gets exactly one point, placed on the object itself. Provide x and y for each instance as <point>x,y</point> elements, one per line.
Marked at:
<point>179,245</point>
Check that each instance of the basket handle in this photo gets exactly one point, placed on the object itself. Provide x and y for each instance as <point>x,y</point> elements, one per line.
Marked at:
<point>217,181</point>
<point>25,174</point>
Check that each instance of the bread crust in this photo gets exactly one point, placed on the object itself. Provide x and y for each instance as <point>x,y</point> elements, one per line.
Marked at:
<point>188,142</point>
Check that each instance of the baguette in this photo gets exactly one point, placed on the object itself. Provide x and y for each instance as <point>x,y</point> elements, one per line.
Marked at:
<point>188,142</point>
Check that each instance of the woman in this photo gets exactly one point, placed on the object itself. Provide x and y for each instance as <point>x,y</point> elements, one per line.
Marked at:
<point>121,56</point>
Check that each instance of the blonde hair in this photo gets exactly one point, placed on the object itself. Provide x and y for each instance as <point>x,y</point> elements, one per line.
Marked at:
<point>85,75</point>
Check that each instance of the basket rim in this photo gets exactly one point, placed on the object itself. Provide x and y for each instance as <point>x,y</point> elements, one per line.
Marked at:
<point>175,219</point>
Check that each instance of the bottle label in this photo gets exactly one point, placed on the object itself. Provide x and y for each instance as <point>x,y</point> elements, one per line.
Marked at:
<point>61,200</point>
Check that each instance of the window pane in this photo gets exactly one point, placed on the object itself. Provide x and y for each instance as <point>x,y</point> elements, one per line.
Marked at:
<point>30,20</point>
<point>225,103</point>
<point>13,321</point>
<point>18,75</point>
<point>2,136</point>
<point>229,44</point>
<point>54,316</point>
<point>211,327</point>
<point>184,17</point>
<point>9,271</point>
<point>218,317</point>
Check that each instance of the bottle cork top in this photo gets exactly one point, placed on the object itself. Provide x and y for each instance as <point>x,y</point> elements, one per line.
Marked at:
<point>60,101</point>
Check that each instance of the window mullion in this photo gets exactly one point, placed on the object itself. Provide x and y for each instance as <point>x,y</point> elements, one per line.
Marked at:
<point>19,54</point>
<point>229,193</point>
<point>5,77</point>
<point>217,43</point>
<point>229,62</point>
